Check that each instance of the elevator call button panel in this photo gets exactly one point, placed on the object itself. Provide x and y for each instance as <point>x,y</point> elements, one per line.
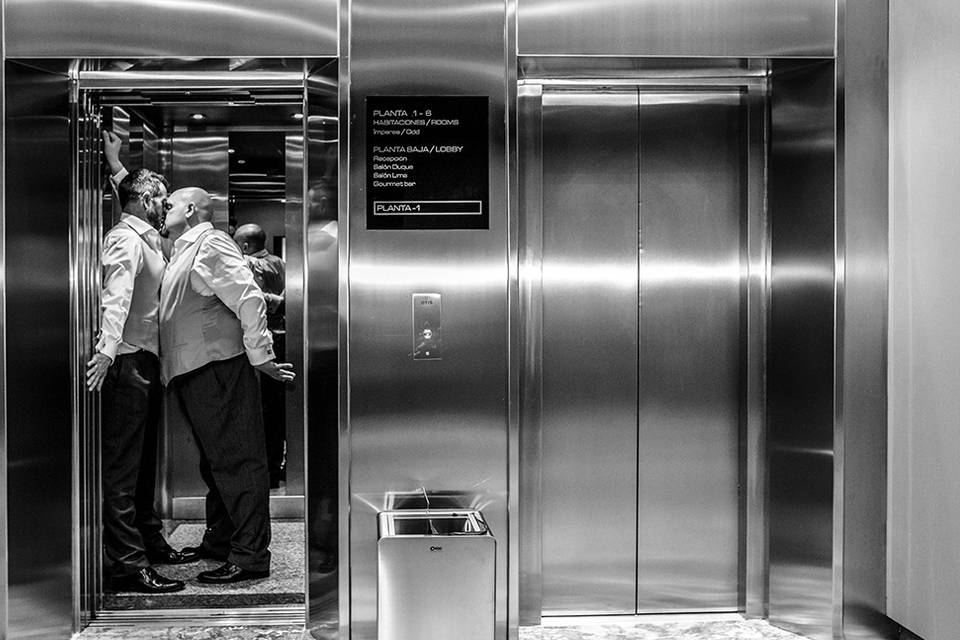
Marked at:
<point>427,162</point>
<point>427,327</point>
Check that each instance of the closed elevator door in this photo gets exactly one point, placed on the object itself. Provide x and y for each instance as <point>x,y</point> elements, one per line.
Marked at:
<point>643,303</point>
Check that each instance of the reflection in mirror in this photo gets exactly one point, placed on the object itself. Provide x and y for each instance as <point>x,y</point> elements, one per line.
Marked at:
<point>248,155</point>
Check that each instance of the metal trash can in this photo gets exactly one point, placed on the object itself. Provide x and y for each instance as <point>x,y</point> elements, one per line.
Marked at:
<point>436,576</point>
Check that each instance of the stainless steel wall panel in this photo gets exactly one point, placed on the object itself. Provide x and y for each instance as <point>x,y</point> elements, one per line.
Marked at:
<point>167,28</point>
<point>738,28</point>
<point>800,373</point>
<point>295,224</point>
<point>754,443</point>
<point>326,565</point>
<point>864,78</point>
<point>437,424</point>
<point>693,207</point>
<point>589,352</point>
<point>201,159</point>
<point>530,233</point>
<point>39,437</point>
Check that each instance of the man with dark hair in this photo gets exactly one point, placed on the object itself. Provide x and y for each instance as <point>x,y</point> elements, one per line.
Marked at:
<point>269,273</point>
<point>213,327</point>
<point>126,369</point>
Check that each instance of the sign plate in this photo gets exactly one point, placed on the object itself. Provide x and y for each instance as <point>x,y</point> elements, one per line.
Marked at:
<point>427,163</point>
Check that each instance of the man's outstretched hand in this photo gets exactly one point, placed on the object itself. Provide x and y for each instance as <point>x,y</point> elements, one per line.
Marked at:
<point>281,371</point>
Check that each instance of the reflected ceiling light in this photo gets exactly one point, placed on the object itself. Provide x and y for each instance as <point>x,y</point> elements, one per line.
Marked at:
<point>297,116</point>
<point>231,150</point>
<point>197,116</point>
<point>241,161</point>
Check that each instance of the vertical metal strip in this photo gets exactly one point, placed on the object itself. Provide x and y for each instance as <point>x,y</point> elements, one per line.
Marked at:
<point>76,349</point>
<point>4,564</point>
<point>838,331</point>
<point>755,562</point>
<point>514,322</point>
<point>343,313</point>
<point>530,240</point>
<point>303,364</point>
<point>639,324</point>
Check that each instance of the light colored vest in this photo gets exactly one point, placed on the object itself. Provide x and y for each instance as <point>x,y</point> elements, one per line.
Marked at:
<point>194,329</point>
<point>142,329</point>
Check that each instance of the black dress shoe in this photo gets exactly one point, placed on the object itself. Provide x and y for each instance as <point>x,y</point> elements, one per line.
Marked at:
<point>171,556</point>
<point>229,573</point>
<point>147,580</point>
<point>192,554</point>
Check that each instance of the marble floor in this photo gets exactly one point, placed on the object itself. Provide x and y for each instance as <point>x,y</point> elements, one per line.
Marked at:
<point>723,627</point>
<point>684,627</point>
<point>284,586</point>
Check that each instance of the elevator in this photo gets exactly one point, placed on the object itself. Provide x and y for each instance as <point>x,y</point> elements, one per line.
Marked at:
<point>644,230</point>
<point>260,136</point>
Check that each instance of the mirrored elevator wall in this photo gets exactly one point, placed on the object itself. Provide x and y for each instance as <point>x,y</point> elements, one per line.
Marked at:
<point>249,159</point>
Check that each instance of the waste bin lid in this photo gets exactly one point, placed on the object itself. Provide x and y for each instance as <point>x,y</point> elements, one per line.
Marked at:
<point>432,522</point>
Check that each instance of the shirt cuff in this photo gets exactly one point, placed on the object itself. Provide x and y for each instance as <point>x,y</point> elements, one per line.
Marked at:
<point>108,349</point>
<point>259,355</point>
<point>118,176</point>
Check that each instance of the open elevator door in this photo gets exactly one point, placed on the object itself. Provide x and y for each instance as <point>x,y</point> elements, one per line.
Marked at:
<point>263,142</point>
<point>648,200</point>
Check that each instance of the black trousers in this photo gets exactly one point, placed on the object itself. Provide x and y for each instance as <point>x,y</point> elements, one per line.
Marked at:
<point>130,415</point>
<point>221,403</point>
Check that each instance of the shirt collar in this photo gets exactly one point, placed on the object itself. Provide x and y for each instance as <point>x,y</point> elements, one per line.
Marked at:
<point>141,226</point>
<point>191,234</point>
<point>260,254</point>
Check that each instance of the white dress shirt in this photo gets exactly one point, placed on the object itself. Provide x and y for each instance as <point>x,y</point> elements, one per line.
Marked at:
<point>220,269</point>
<point>131,259</point>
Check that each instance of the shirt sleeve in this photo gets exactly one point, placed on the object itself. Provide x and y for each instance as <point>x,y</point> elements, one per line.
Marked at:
<point>122,260</point>
<point>221,268</point>
<point>118,177</point>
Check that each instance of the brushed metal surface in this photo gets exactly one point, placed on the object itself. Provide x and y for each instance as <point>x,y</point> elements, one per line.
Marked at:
<point>530,240</point>
<point>693,207</point>
<point>169,28</point>
<point>295,226</point>
<point>737,28</point>
<point>322,466</point>
<point>167,79</point>
<point>434,582</point>
<point>589,351</point>
<point>201,159</point>
<point>442,424</point>
<point>754,560</point>
<point>3,350</point>
<point>863,367</point>
<point>800,373</point>
<point>86,222</point>
<point>39,441</point>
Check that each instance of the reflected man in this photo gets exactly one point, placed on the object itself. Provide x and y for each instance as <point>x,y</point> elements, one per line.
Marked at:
<point>126,370</point>
<point>269,272</point>
<point>213,327</point>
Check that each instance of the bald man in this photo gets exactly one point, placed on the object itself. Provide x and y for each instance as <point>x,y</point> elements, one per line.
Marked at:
<point>269,272</point>
<point>213,327</point>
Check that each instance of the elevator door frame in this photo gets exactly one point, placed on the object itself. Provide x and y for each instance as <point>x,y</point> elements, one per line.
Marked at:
<point>86,235</point>
<point>752,82</point>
